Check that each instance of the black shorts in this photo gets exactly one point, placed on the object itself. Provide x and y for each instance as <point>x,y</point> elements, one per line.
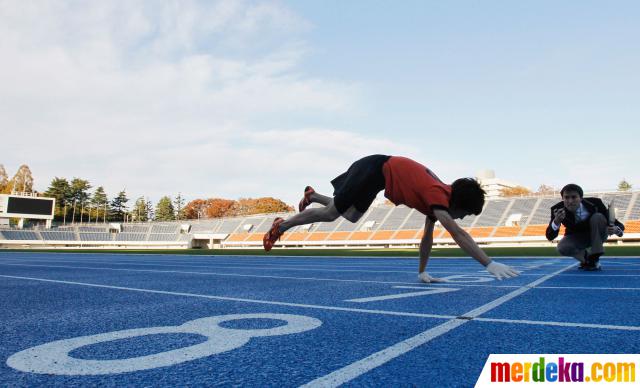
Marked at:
<point>360,184</point>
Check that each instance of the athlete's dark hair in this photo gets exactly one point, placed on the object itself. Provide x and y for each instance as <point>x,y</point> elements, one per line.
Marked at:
<point>572,187</point>
<point>467,194</point>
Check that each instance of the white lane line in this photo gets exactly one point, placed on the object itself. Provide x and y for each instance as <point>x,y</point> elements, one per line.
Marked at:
<point>358,368</point>
<point>590,288</point>
<point>317,262</point>
<point>233,262</point>
<point>455,270</point>
<point>167,263</point>
<point>388,262</point>
<point>431,291</point>
<point>247,267</point>
<point>375,360</point>
<point>467,264</point>
<point>226,298</point>
<point>320,307</point>
<point>288,257</point>
<point>485,285</point>
<point>563,324</point>
<point>457,284</point>
<point>451,284</point>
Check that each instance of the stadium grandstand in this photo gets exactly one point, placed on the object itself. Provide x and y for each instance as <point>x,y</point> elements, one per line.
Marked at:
<point>503,222</point>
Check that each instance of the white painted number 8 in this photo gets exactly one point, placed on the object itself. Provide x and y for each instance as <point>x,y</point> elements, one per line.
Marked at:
<point>53,357</point>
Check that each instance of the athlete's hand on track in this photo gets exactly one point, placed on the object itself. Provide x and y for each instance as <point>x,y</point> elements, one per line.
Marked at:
<point>501,271</point>
<point>425,278</point>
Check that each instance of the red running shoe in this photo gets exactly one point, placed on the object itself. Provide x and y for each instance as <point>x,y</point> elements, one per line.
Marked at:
<point>306,200</point>
<point>272,235</point>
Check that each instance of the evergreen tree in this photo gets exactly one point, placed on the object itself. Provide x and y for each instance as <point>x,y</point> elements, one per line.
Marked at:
<point>80,190</point>
<point>80,195</point>
<point>100,204</point>
<point>119,207</point>
<point>141,210</point>
<point>4,180</point>
<point>624,185</point>
<point>61,191</point>
<point>23,180</point>
<point>165,210</point>
<point>178,205</point>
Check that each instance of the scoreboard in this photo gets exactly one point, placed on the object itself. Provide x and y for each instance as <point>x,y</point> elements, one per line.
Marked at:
<point>19,206</point>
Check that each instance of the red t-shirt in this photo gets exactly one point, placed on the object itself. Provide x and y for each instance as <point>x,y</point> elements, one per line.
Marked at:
<point>410,183</point>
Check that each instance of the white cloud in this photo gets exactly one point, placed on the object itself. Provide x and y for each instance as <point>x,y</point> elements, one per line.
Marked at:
<point>161,97</point>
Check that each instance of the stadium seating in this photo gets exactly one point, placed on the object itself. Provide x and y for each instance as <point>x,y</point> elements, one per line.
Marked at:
<point>58,235</point>
<point>516,220</point>
<point>20,235</point>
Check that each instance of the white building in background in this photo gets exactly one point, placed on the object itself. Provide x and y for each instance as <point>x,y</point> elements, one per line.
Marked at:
<point>493,185</point>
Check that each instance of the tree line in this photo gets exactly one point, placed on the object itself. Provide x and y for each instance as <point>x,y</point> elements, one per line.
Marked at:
<point>76,202</point>
<point>520,191</point>
<point>22,181</point>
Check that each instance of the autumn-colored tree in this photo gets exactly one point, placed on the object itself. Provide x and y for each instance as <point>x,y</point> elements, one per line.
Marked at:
<point>243,207</point>
<point>545,190</point>
<point>248,206</point>
<point>516,191</point>
<point>195,209</point>
<point>218,207</point>
<point>4,180</point>
<point>269,205</point>
<point>23,180</point>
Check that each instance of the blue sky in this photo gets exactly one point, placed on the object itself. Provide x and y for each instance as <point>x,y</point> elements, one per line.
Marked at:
<point>249,98</point>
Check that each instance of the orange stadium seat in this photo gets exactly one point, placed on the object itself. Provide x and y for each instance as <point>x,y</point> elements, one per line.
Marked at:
<point>255,237</point>
<point>318,236</point>
<point>335,236</point>
<point>632,226</point>
<point>382,235</point>
<point>237,236</point>
<point>507,231</point>
<point>535,230</point>
<point>295,236</point>
<point>360,236</point>
<point>436,233</point>
<point>406,234</point>
<point>481,231</point>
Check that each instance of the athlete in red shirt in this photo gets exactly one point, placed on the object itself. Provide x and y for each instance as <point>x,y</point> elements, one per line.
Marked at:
<point>405,182</point>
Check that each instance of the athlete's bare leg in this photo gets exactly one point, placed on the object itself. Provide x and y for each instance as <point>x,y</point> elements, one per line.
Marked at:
<point>320,214</point>
<point>319,198</point>
<point>311,215</point>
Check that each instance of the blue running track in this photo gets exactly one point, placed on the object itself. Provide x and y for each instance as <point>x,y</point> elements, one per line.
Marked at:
<point>174,320</point>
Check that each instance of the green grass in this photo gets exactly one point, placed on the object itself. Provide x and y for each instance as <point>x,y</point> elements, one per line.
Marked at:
<point>437,252</point>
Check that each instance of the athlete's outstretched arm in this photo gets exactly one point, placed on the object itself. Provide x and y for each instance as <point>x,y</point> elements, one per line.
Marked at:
<point>425,251</point>
<point>464,240</point>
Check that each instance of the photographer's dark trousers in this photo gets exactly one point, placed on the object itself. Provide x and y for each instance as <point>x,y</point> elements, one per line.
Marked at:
<point>573,244</point>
